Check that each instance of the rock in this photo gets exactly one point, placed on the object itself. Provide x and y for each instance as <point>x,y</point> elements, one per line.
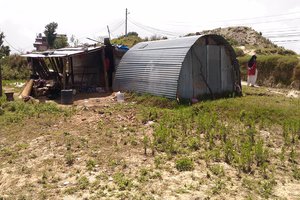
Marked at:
<point>101,112</point>
<point>149,123</point>
<point>265,134</point>
<point>110,178</point>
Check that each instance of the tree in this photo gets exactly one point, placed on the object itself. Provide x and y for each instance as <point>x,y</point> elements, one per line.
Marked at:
<point>60,42</point>
<point>4,50</point>
<point>50,33</point>
<point>133,34</point>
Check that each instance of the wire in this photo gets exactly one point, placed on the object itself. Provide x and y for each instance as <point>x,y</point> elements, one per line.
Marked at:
<point>12,46</point>
<point>152,29</point>
<point>285,41</point>
<point>117,27</point>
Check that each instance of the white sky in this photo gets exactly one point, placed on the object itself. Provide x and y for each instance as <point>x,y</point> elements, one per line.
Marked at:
<point>21,20</point>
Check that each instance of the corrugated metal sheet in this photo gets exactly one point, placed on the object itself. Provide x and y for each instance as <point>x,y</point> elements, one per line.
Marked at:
<point>153,67</point>
<point>184,68</point>
<point>64,52</point>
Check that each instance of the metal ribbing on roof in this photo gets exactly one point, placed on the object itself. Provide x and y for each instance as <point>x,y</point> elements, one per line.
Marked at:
<point>153,67</point>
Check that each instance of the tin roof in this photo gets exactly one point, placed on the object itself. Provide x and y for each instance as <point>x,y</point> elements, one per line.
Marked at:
<point>64,52</point>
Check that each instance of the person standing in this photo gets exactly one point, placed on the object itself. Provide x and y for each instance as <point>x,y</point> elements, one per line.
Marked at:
<point>252,71</point>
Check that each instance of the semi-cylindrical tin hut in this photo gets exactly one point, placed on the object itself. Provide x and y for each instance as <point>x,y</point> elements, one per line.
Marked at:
<point>188,67</point>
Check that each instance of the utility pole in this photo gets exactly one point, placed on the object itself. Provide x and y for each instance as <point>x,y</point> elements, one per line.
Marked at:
<point>108,32</point>
<point>126,13</point>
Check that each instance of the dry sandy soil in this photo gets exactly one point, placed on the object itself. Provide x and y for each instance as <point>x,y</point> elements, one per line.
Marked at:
<point>98,153</point>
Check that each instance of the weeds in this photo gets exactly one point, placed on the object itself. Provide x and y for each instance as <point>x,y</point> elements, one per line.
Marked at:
<point>184,164</point>
<point>122,181</point>
<point>90,164</point>
<point>70,159</point>
<point>83,183</point>
<point>217,170</point>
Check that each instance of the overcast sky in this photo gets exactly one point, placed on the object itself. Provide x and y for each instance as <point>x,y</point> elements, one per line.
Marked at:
<point>21,20</point>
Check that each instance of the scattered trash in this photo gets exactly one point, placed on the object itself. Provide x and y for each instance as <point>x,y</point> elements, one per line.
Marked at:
<point>66,183</point>
<point>293,94</point>
<point>120,97</point>
<point>19,85</point>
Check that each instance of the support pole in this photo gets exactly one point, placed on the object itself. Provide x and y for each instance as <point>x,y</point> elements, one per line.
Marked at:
<point>108,31</point>
<point>126,13</point>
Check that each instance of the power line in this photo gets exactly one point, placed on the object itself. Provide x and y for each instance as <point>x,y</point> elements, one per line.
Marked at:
<point>283,36</point>
<point>12,46</point>
<point>153,30</point>
<point>269,16</point>
<point>285,41</point>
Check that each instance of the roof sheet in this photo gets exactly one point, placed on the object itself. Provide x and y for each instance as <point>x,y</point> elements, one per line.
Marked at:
<point>62,52</point>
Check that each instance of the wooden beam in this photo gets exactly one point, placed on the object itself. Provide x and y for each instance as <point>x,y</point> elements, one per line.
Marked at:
<point>64,77</point>
<point>72,71</point>
<point>104,70</point>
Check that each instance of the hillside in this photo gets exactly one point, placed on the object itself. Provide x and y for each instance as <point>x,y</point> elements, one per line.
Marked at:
<point>242,36</point>
<point>246,40</point>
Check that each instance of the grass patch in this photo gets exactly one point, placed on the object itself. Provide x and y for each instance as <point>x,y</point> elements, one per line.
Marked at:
<point>122,181</point>
<point>184,164</point>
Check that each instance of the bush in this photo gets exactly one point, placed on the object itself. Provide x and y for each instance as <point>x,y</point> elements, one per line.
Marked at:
<point>277,68</point>
<point>184,164</point>
<point>239,52</point>
<point>272,51</point>
<point>296,75</point>
<point>14,67</point>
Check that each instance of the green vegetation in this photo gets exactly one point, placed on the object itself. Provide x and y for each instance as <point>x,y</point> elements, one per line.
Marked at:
<point>274,69</point>
<point>4,50</point>
<point>122,181</point>
<point>129,41</point>
<point>14,67</point>
<point>16,111</point>
<point>249,144</point>
<point>50,33</point>
<point>184,164</point>
<point>275,51</point>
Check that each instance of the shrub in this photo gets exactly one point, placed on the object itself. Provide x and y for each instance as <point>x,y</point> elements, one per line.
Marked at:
<point>272,51</point>
<point>239,52</point>
<point>296,75</point>
<point>14,67</point>
<point>83,182</point>
<point>122,181</point>
<point>279,69</point>
<point>184,164</point>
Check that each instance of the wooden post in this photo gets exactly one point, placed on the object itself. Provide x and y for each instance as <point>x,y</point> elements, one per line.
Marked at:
<point>64,76</point>
<point>104,70</point>
<point>72,71</point>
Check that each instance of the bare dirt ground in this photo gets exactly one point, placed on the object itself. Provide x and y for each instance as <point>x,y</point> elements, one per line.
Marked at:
<point>98,153</point>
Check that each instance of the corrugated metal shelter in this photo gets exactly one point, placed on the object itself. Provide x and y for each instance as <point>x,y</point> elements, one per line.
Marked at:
<point>75,67</point>
<point>187,67</point>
